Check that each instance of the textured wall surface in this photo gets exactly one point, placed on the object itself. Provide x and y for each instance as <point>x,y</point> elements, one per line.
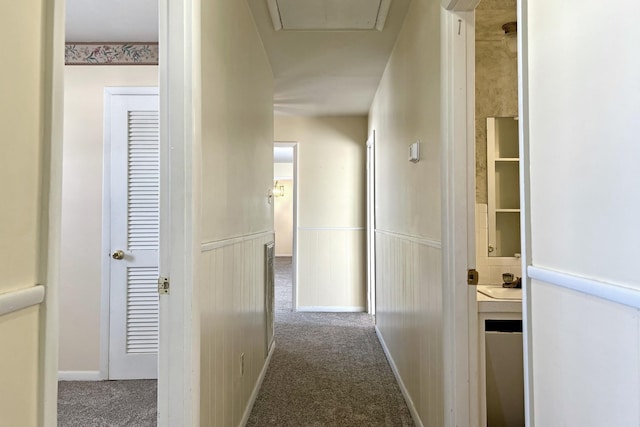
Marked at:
<point>496,79</point>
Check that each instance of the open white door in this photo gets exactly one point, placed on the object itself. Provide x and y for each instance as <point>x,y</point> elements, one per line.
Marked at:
<point>134,173</point>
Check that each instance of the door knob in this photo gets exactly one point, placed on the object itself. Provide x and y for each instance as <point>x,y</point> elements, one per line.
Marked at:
<point>118,254</point>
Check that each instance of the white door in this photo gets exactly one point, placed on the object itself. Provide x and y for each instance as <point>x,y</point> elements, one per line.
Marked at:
<point>134,235</point>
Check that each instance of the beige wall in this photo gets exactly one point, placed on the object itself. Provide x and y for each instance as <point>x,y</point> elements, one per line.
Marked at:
<point>22,159</point>
<point>81,259</point>
<point>331,209</point>
<point>584,105</point>
<point>283,219</point>
<point>237,220</point>
<point>408,211</point>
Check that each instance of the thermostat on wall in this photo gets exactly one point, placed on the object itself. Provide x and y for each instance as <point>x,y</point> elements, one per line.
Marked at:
<point>414,152</point>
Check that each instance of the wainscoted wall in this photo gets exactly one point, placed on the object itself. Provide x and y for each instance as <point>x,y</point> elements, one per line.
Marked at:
<point>332,261</point>
<point>331,209</point>
<point>232,323</point>
<point>598,362</point>
<point>236,218</point>
<point>409,288</point>
<point>409,318</point>
<point>583,177</point>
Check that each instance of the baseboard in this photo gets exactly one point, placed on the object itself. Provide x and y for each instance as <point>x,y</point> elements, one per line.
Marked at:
<point>332,309</point>
<point>79,376</point>
<point>256,389</point>
<point>283,255</point>
<point>403,389</point>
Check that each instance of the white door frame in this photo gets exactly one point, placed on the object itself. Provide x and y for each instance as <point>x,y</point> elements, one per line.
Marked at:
<point>180,183</point>
<point>105,289</point>
<point>294,248</point>
<point>51,249</point>
<point>458,211</point>
<point>525,205</point>
<point>371,223</point>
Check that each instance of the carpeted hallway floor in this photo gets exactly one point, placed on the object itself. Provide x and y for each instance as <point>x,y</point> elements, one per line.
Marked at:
<point>328,369</point>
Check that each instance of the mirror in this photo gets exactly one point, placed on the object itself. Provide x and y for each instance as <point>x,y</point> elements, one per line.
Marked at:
<point>503,185</point>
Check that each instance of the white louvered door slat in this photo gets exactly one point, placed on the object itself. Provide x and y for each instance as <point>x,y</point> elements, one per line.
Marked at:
<point>135,210</point>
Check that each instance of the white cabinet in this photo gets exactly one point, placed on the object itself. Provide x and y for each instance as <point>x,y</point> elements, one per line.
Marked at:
<point>503,180</point>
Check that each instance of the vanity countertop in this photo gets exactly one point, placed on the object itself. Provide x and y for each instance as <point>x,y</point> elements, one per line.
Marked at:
<point>487,304</point>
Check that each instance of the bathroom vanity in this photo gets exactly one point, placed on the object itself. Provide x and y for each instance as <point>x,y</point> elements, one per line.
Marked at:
<point>500,356</point>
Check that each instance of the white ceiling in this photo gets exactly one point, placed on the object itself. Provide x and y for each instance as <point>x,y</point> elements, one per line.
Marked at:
<point>112,21</point>
<point>315,72</point>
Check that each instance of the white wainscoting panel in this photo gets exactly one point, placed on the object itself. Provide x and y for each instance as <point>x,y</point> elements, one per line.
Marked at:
<point>586,362</point>
<point>409,318</point>
<point>331,268</point>
<point>232,324</point>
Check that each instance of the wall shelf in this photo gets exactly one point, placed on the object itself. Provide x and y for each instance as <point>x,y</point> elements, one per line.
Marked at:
<point>503,179</point>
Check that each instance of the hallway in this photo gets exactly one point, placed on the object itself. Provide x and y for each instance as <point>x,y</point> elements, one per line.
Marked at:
<point>328,369</point>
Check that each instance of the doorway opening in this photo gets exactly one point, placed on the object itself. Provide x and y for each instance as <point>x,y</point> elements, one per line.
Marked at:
<point>497,216</point>
<point>285,211</point>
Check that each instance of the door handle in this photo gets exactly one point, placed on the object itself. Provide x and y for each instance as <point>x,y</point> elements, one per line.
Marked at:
<point>118,254</point>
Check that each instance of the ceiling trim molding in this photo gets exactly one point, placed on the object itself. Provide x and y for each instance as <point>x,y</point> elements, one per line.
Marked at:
<point>98,53</point>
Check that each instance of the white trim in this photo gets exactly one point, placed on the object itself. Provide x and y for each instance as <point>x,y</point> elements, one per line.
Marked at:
<point>605,290</point>
<point>180,199</point>
<point>256,388</point>
<point>79,376</point>
<point>332,309</point>
<point>419,240</point>
<point>51,212</point>
<point>217,244</point>
<point>457,101</point>
<point>331,228</point>
<point>284,256</point>
<point>525,208</point>
<point>19,299</point>
<point>396,373</point>
<point>294,248</point>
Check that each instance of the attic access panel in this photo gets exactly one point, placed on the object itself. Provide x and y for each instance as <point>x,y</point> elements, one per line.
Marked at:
<point>328,15</point>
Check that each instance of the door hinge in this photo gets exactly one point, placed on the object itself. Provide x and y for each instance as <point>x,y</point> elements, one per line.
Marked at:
<point>472,277</point>
<point>163,285</point>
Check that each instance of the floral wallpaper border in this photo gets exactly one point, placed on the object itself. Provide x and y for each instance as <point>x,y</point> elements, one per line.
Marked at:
<point>111,54</point>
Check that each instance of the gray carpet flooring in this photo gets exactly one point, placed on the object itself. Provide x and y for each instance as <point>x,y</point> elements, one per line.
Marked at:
<point>107,403</point>
<point>328,369</point>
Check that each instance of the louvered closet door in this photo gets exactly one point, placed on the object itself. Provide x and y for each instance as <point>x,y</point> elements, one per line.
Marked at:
<point>133,341</point>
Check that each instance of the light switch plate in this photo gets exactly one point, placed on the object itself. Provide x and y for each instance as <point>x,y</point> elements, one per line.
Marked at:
<point>414,152</point>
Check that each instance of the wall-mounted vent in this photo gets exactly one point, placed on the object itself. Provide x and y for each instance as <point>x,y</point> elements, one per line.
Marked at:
<point>328,15</point>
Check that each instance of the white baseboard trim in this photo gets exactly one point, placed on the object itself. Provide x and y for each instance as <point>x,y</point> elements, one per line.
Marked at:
<point>256,389</point>
<point>283,255</point>
<point>608,291</point>
<point>332,309</point>
<point>403,389</point>
<point>79,376</point>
